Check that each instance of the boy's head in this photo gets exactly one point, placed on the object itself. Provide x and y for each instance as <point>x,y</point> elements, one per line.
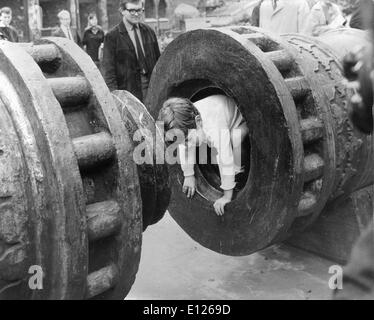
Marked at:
<point>6,16</point>
<point>180,113</point>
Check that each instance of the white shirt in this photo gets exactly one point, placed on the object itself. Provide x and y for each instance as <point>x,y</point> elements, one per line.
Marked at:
<point>67,32</point>
<point>288,17</point>
<point>220,117</point>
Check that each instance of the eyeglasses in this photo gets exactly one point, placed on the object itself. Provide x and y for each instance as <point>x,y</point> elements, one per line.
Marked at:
<point>133,11</point>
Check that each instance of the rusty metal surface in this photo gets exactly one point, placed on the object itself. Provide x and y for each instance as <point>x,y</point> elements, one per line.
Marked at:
<point>349,152</point>
<point>16,249</point>
<point>304,151</point>
<point>43,221</point>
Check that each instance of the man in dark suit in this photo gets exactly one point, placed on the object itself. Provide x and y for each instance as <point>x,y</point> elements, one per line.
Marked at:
<point>64,30</point>
<point>8,32</point>
<point>130,51</point>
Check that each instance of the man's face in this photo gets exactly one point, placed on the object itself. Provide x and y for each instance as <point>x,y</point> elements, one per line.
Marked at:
<point>6,19</point>
<point>65,21</point>
<point>133,13</point>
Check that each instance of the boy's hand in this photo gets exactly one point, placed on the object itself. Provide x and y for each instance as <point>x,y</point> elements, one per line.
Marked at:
<point>189,186</point>
<point>219,205</point>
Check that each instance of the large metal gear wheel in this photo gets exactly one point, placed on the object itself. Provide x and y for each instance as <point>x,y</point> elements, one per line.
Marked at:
<point>304,151</point>
<point>70,197</point>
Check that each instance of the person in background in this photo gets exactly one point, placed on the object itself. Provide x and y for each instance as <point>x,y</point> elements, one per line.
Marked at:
<point>64,30</point>
<point>93,38</point>
<point>131,51</point>
<point>9,33</point>
<point>324,16</point>
<point>283,16</point>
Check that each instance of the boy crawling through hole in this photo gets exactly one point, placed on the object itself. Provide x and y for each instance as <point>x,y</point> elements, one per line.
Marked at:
<point>217,122</point>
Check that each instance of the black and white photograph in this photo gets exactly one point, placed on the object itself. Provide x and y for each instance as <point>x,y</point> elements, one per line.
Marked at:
<point>186,155</point>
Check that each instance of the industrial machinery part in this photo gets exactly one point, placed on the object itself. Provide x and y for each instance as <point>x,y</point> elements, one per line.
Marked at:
<point>70,199</point>
<point>148,154</point>
<point>304,152</point>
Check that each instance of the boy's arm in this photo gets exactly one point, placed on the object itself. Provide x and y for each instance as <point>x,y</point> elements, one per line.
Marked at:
<point>187,157</point>
<point>225,159</point>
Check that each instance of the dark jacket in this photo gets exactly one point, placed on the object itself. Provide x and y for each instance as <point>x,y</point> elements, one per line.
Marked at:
<point>120,63</point>
<point>93,41</point>
<point>9,33</point>
<point>59,33</point>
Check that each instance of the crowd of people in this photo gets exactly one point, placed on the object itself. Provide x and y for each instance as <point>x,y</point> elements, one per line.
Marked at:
<point>311,17</point>
<point>127,54</point>
<point>93,36</point>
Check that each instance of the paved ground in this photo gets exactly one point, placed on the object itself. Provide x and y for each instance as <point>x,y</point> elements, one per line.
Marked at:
<point>173,266</point>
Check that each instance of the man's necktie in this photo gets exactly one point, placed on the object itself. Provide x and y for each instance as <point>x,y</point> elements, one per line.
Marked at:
<point>141,58</point>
